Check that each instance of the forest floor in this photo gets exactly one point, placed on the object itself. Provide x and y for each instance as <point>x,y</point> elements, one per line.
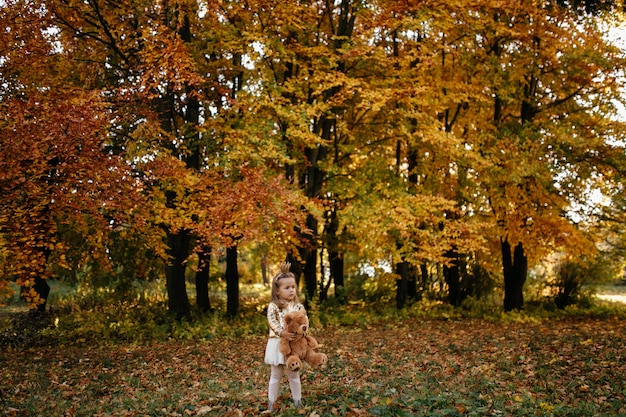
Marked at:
<point>467,367</point>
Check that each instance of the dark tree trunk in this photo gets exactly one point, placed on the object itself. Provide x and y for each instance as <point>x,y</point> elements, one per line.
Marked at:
<point>312,182</point>
<point>42,289</point>
<point>42,252</point>
<point>296,266</point>
<point>179,242</point>
<point>336,274</point>
<point>178,249</point>
<point>202,280</point>
<point>424,280</point>
<point>401,284</point>
<point>192,108</point>
<point>310,263</point>
<point>411,289</point>
<point>335,256</point>
<point>232,282</point>
<point>310,274</point>
<point>515,269</point>
<point>264,268</point>
<point>452,276</point>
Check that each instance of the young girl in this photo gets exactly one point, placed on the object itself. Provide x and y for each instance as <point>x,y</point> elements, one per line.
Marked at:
<point>284,300</point>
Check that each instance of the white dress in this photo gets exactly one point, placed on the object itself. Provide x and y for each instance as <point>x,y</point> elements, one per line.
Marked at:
<point>276,320</point>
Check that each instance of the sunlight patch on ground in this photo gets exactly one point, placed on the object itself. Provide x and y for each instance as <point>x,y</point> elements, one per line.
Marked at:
<point>612,293</point>
<point>616,298</point>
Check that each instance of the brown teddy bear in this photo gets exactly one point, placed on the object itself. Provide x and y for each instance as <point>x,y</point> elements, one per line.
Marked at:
<point>301,348</point>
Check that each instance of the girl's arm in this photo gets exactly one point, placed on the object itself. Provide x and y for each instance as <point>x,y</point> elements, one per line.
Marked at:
<point>273,319</point>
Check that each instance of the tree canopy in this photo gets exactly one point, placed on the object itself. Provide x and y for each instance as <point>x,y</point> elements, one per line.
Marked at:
<point>455,134</point>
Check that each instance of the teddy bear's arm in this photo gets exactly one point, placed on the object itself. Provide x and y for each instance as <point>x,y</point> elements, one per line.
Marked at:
<point>312,342</point>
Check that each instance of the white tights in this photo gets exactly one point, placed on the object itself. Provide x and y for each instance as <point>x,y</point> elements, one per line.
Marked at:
<point>276,375</point>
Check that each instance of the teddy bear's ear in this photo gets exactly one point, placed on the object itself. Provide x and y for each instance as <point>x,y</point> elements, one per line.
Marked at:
<point>288,319</point>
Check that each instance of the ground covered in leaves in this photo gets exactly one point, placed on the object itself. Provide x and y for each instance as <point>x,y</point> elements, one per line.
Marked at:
<point>568,367</point>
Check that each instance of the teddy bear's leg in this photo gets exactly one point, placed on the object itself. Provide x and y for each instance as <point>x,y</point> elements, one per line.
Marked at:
<point>315,358</point>
<point>294,363</point>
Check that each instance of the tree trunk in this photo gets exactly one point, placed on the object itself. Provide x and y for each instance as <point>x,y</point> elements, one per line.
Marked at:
<point>336,274</point>
<point>202,280</point>
<point>310,262</point>
<point>178,249</point>
<point>401,285</point>
<point>232,282</point>
<point>515,269</point>
<point>452,277</point>
<point>335,256</point>
<point>42,289</point>
<point>296,266</point>
<point>411,289</point>
<point>310,274</point>
<point>264,268</point>
<point>40,286</point>
<point>179,243</point>
<point>424,280</point>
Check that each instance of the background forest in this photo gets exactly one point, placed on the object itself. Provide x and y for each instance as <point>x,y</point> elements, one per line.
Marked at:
<point>392,151</point>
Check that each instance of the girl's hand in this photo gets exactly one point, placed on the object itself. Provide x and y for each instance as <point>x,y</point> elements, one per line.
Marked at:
<point>287,335</point>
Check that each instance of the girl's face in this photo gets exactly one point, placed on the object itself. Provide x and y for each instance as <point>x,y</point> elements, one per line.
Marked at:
<point>287,289</point>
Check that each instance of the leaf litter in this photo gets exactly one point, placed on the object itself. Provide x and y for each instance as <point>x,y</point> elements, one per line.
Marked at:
<point>454,368</point>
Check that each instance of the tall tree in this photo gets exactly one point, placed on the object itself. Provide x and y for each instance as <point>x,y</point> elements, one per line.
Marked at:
<point>307,86</point>
<point>409,138</point>
<point>547,80</point>
<point>56,170</point>
<point>110,40</point>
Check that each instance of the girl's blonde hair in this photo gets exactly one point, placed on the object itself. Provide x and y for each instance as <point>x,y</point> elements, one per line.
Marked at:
<point>284,273</point>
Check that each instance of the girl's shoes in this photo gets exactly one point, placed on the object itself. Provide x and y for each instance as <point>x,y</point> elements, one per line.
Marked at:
<point>271,409</point>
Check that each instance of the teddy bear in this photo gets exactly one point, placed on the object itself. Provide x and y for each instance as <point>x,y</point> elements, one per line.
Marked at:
<point>300,349</point>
